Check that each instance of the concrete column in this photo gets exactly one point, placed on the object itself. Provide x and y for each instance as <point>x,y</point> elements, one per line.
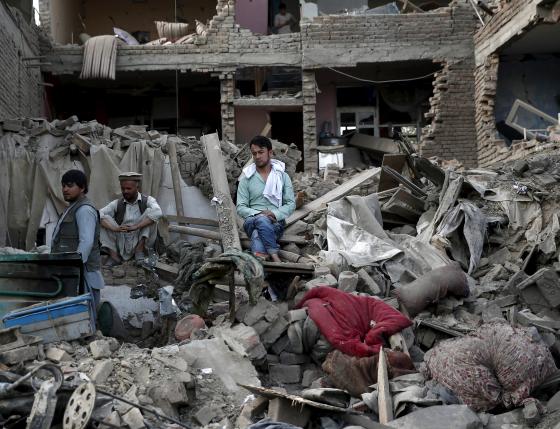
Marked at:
<point>227,91</point>
<point>310,157</point>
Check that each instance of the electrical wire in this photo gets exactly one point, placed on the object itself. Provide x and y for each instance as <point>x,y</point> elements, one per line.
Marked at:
<point>383,81</point>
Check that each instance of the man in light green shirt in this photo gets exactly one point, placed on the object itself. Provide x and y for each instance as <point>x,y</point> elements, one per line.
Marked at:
<point>265,198</point>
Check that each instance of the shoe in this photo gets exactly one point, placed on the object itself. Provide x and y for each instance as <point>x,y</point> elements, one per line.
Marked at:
<point>112,263</point>
<point>262,257</point>
<point>139,258</point>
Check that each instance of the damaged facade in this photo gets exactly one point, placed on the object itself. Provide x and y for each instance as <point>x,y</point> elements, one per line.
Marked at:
<point>410,273</point>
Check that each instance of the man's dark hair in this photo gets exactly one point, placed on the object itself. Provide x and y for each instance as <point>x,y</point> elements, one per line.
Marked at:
<point>261,141</point>
<point>282,6</point>
<point>75,177</point>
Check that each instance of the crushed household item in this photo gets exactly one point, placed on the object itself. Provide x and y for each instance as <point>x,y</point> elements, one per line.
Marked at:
<point>495,365</point>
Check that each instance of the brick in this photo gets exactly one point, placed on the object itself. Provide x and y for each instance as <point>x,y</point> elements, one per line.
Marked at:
<point>288,374</point>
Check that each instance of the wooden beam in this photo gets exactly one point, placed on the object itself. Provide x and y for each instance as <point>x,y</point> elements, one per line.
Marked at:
<point>404,181</point>
<point>215,235</point>
<point>227,214</point>
<point>335,194</point>
<point>192,220</point>
<point>175,176</point>
<point>384,399</point>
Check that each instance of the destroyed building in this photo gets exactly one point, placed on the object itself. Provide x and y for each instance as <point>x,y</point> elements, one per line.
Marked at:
<point>419,278</point>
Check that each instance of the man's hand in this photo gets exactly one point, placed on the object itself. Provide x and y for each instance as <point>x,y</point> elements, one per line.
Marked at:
<point>269,215</point>
<point>128,228</point>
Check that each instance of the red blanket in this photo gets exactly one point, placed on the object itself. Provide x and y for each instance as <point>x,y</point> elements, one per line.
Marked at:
<point>355,325</point>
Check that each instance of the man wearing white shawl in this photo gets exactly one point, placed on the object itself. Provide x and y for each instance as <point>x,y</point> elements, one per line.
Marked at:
<point>265,198</point>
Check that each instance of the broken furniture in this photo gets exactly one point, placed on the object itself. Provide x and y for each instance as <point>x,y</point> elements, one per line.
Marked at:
<point>30,278</point>
<point>65,319</point>
<point>515,118</point>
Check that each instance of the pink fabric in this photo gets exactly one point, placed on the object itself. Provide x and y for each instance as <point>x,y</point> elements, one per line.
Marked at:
<point>344,320</point>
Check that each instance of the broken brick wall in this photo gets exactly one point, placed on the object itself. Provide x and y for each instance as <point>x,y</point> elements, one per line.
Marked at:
<point>21,92</point>
<point>443,36</point>
<point>511,18</point>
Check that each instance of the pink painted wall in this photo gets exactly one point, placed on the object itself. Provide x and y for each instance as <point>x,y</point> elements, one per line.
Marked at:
<point>326,101</point>
<point>253,15</point>
<point>249,122</point>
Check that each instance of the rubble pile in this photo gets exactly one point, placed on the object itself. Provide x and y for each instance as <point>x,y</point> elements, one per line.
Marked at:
<point>409,296</point>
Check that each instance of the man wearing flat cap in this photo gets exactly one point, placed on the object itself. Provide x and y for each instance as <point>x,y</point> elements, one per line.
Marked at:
<point>129,223</point>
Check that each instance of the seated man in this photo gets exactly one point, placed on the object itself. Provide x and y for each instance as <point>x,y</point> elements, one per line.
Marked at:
<point>129,223</point>
<point>265,198</point>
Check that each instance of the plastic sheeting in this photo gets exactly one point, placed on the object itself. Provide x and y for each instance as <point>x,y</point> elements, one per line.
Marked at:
<point>354,230</point>
<point>465,223</point>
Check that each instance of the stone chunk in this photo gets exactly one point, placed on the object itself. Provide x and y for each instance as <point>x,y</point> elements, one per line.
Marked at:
<point>206,414</point>
<point>275,331</point>
<point>439,417</point>
<point>171,391</point>
<point>287,374</point>
<point>101,371</point>
<point>293,359</point>
<point>295,315</point>
<point>348,281</point>
<point>21,354</point>
<point>309,376</point>
<point>369,283</point>
<point>134,419</point>
<point>540,290</point>
<point>57,355</point>
<point>242,339</point>
<point>282,410</point>
<point>100,349</point>
<point>257,312</point>
<point>327,280</point>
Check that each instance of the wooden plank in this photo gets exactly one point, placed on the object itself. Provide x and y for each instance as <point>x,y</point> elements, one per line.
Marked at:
<point>192,220</point>
<point>404,181</point>
<point>227,214</point>
<point>384,398</point>
<point>175,176</point>
<point>215,235</point>
<point>335,194</point>
<point>397,163</point>
<point>430,171</point>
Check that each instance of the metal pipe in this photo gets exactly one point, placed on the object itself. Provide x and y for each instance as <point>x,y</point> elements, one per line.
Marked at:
<point>141,407</point>
<point>34,294</point>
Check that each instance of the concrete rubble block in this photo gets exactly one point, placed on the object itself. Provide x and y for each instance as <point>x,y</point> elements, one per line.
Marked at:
<point>252,410</point>
<point>370,284</point>
<point>439,417</point>
<point>171,358</point>
<point>171,391</point>
<point>100,349</point>
<point>348,281</point>
<point>261,326</point>
<point>20,354</point>
<point>309,376</point>
<point>272,313</point>
<point>132,395</point>
<point>327,280</point>
<point>295,337</point>
<point>296,315</point>
<point>287,374</point>
<point>281,344</point>
<point>207,413</point>
<point>541,290</point>
<point>287,358</point>
<point>511,419</point>
<point>101,371</point>
<point>553,403</point>
<point>242,339</point>
<point>282,410</point>
<point>227,365</point>
<point>113,419</point>
<point>134,419</point>
<point>257,312</point>
<point>275,331</point>
<point>58,355</point>
<point>321,270</point>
